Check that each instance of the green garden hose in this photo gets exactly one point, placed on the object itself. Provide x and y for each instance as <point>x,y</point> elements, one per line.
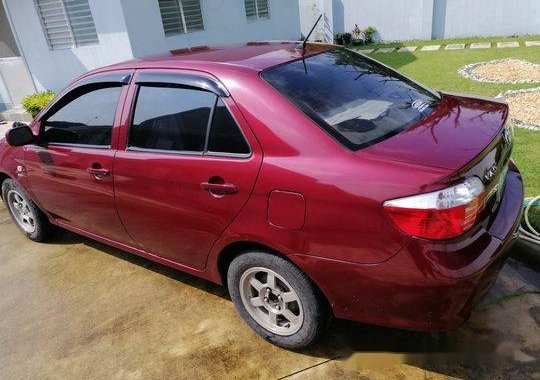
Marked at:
<point>530,224</point>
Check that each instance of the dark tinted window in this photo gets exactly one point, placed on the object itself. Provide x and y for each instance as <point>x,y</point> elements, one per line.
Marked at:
<point>357,100</point>
<point>87,119</point>
<point>171,118</point>
<point>225,135</point>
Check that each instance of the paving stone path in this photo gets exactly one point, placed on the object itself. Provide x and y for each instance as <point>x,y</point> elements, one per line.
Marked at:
<point>430,47</point>
<point>480,45</point>
<point>474,45</point>
<point>454,47</point>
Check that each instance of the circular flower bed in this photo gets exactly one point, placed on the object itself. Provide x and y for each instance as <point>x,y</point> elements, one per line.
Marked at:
<point>508,70</point>
<point>524,107</point>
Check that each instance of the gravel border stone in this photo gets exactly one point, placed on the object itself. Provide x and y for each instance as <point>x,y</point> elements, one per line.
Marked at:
<point>518,123</point>
<point>532,43</point>
<point>467,72</point>
<point>366,51</point>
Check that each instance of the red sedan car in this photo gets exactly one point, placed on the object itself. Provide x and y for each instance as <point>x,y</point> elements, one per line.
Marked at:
<point>312,182</point>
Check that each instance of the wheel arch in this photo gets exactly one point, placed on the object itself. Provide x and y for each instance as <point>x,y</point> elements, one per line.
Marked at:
<point>3,177</point>
<point>237,248</point>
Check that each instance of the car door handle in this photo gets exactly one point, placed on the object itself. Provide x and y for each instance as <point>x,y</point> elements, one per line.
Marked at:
<point>98,172</point>
<point>219,188</point>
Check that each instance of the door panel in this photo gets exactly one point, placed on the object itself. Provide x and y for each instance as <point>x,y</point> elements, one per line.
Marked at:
<point>70,170</point>
<point>174,196</point>
<point>164,207</point>
<point>59,179</point>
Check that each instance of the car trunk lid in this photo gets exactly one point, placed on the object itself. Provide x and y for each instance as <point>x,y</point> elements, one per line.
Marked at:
<point>464,134</point>
<point>455,133</point>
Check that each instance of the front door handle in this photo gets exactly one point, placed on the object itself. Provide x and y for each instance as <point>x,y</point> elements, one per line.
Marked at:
<point>219,188</point>
<point>98,172</point>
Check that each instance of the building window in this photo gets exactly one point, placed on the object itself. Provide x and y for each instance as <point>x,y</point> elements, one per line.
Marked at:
<point>256,9</point>
<point>181,16</point>
<point>67,23</point>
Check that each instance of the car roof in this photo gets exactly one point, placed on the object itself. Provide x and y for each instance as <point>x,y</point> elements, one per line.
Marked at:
<point>252,55</point>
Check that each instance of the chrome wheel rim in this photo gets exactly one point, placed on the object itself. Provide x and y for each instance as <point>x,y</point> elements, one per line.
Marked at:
<point>271,301</point>
<point>21,211</point>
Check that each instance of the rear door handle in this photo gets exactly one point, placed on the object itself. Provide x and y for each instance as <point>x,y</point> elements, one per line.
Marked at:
<point>98,172</point>
<point>219,188</point>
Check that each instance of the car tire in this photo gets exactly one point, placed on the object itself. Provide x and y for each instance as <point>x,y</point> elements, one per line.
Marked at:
<point>277,300</point>
<point>24,212</point>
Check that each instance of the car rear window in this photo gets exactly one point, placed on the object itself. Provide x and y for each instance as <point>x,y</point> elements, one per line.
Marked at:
<point>357,100</point>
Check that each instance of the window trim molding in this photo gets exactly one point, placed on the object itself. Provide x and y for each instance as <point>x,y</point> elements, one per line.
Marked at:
<point>184,80</point>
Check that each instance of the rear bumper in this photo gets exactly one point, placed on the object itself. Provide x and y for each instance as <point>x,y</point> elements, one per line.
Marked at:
<point>427,285</point>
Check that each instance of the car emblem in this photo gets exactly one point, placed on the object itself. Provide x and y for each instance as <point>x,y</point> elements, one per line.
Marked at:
<point>507,135</point>
<point>490,173</point>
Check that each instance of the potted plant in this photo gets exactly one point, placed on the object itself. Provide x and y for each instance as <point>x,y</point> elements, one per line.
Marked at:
<point>356,34</point>
<point>347,38</point>
<point>338,39</point>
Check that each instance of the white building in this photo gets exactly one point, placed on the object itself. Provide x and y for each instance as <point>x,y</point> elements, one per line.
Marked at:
<point>61,39</point>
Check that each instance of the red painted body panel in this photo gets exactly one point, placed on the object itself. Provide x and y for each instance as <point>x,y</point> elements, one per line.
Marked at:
<point>153,204</point>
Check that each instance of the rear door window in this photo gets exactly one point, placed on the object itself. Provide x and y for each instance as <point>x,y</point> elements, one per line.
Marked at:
<point>225,135</point>
<point>171,118</point>
<point>180,119</point>
<point>356,100</point>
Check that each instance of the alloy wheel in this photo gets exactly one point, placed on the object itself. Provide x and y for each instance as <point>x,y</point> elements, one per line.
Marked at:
<point>271,301</point>
<point>21,211</point>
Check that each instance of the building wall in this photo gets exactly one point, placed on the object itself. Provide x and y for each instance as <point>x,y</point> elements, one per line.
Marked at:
<point>224,22</point>
<point>53,69</point>
<point>8,47</point>
<point>393,19</point>
<point>133,28</point>
<point>464,18</point>
<point>425,19</point>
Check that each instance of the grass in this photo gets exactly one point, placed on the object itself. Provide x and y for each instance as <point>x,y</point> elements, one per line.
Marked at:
<point>438,70</point>
<point>466,41</point>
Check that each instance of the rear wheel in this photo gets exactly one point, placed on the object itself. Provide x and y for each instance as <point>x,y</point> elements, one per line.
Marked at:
<point>276,299</point>
<point>30,220</point>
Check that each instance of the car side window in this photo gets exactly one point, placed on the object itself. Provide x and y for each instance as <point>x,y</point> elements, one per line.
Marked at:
<point>87,119</point>
<point>225,135</point>
<point>171,118</point>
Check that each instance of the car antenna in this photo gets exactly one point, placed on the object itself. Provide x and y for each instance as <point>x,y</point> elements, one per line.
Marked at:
<point>304,43</point>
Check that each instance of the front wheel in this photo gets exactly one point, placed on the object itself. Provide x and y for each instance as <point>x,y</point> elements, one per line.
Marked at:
<point>26,215</point>
<point>276,299</point>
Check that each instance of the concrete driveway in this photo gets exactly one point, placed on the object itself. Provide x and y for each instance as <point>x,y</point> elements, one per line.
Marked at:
<point>77,309</point>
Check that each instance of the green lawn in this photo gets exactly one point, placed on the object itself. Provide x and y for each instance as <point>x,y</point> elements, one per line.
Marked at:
<point>438,69</point>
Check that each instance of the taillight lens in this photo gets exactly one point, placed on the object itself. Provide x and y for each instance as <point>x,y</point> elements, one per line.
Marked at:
<point>441,214</point>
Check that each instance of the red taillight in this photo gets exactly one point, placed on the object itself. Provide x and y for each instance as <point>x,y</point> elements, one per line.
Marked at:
<point>441,214</point>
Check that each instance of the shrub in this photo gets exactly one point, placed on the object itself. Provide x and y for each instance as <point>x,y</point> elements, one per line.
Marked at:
<point>368,34</point>
<point>36,102</point>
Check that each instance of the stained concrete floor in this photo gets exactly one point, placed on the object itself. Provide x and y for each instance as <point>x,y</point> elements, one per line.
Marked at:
<point>77,309</point>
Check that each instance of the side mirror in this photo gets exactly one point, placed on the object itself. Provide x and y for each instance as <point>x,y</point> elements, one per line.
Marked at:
<point>20,136</point>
